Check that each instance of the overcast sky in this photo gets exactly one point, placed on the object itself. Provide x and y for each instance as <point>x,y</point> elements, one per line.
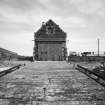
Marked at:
<point>82,20</point>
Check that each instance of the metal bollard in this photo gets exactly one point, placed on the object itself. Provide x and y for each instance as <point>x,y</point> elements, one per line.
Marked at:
<point>44,89</point>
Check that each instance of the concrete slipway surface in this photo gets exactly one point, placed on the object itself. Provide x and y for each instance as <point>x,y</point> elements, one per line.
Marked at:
<point>50,83</point>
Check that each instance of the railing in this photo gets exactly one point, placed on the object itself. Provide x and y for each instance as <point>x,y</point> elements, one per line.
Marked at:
<point>98,78</point>
<point>2,73</point>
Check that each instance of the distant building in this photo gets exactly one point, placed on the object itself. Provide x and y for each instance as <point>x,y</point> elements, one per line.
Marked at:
<point>92,54</point>
<point>73,53</point>
<point>49,43</point>
<point>87,54</point>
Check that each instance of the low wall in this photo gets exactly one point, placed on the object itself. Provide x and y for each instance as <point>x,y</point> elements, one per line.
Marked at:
<point>86,58</point>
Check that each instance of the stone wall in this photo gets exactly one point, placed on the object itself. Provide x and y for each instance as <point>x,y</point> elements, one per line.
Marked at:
<point>86,58</point>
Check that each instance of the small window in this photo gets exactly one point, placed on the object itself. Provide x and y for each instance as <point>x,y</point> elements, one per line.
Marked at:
<point>50,30</point>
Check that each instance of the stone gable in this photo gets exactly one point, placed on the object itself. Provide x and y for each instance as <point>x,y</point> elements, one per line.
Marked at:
<point>50,31</point>
<point>50,43</point>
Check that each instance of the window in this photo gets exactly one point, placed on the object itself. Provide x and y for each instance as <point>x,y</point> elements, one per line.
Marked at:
<point>50,30</point>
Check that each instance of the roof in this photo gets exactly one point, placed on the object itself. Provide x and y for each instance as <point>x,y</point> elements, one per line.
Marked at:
<point>49,31</point>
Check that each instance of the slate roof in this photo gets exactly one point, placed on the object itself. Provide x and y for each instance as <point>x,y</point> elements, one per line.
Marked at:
<point>58,34</point>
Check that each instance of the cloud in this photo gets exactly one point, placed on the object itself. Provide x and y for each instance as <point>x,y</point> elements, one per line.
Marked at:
<point>75,21</point>
<point>21,18</point>
<point>90,7</point>
<point>21,5</point>
<point>18,42</point>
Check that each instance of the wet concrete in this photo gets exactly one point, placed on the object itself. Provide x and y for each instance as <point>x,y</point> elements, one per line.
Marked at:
<point>50,83</point>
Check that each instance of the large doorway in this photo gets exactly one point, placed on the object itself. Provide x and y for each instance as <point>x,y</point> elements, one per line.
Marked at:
<point>50,52</point>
